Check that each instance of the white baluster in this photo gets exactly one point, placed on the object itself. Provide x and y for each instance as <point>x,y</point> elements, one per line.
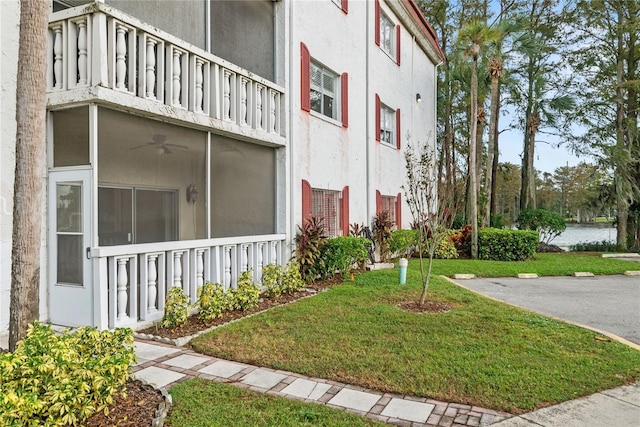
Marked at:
<point>227,267</point>
<point>121,54</point>
<point>150,68</point>
<point>243,103</point>
<point>226,95</point>
<point>123,280</point>
<point>245,257</point>
<point>199,268</point>
<point>199,80</point>
<point>259,265</point>
<point>177,269</point>
<point>176,77</point>
<point>273,111</point>
<point>82,52</point>
<point>57,56</point>
<point>152,285</point>
<point>274,252</point>
<point>259,108</point>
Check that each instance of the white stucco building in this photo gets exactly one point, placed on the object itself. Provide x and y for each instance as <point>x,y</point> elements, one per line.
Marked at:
<point>187,140</point>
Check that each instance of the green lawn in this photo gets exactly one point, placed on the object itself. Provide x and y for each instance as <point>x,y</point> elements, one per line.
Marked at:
<point>205,403</point>
<point>483,352</point>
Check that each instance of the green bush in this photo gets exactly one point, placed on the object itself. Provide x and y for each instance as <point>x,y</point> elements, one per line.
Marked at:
<point>404,242</point>
<point>277,280</point>
<point>603,246</point>
<point>341,254</point>
<point>446,248</point>
<point>506,245</point>
<point>176,308</point>
<point>246,295</point>
<point>55,380</point>
<point>546,223</point>
<point>212,301</point>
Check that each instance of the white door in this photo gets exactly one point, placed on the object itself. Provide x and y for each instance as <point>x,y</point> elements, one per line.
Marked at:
<point>70,235</point>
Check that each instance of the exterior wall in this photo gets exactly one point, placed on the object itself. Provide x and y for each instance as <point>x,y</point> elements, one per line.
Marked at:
<point>184,19</point>
<point>329,156</point>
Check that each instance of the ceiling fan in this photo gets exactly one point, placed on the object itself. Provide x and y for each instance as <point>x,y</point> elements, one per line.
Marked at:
<point>161,145</point>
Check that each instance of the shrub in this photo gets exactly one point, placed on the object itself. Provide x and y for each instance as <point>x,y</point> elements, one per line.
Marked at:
<point>446,248</point>
<point>55,380</point>
<point>278,280</point>
<point>341,254</point>
<point>546,223</point>
<point>176,308</point>
<point>212,301</point>
<point>246,295</point>
<point>382,225</point>
<point>603,246</point>
<point>506,245</point>
<point>404,242</point>
<point>309,241</point>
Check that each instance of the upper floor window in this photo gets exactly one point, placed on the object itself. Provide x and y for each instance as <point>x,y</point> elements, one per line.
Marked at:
<point>324,83</point>
<point>387,124</point>
<point>387,34</point>
<point>323,90</point>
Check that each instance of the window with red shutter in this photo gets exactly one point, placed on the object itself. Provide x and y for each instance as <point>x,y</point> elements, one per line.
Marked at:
<point>377,22</point>
<point>399,211</point>
<point>305,64</point>
<point>345,6</point>
<point>377,118</point>
<point>306,201</point>
<point>378,202</point>
<point>345,211</point>
<point>398,144</point>
<point>344,94</point>
<point>398,44</point>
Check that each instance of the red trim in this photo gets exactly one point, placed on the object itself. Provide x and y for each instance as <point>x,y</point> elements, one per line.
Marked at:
<point>378,202</point>
<point>399,211</point>
<point>377,118</point>
<point>398,145</point>
<point>305,82</point>
<point>306,200</point>
<point>345,211</point>
<point>344,94</point>
<point>345,6</point>
<point>398,44</point>
<point>427,29</point>
<point>377,22</point>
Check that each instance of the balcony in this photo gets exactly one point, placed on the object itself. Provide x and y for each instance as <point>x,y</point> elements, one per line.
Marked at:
<point>99,54</point>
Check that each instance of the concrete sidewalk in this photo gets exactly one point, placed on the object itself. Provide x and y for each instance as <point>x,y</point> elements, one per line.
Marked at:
<point>164,365</point>
<point>619,407</point>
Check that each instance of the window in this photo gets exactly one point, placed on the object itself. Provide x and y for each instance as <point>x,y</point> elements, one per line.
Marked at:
<point>387,35</point>
<point>391,204</point>
<point>331,205</point>
<point>323,87</point>
<point>387,30</point>
<point>386,124</point>
<point>326,204</point>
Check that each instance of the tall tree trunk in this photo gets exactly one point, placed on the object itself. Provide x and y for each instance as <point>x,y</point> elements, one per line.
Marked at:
<point>30,158</point>
<point>621,173</point>
<point>495,67</point>
<point>473,201</point>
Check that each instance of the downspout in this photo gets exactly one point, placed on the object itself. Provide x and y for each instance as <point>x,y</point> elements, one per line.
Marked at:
<point>367,116</point>
<point>289,146</point>
<point>207,26</point>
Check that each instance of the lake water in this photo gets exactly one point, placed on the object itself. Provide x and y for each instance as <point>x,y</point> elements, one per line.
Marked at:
<point>577,233</point>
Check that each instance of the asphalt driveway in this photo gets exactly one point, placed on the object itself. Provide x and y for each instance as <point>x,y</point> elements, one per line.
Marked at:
<point>607,303</point>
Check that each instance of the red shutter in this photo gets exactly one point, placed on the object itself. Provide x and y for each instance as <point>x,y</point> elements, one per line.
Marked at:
<point>306,200</point>
<point>398,44</point>
<point>344,80</point>
<point>305,83</point>
<point>399,211</point>
<point>398,128</point>
<point>378,202</point>
<point>377,21</point>
<point>345,211</point>
<point>377,118</point>
<point>345,6</point>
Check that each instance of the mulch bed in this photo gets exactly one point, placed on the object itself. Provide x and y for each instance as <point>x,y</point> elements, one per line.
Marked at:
<point>427,307</point>
<point>137,409</point>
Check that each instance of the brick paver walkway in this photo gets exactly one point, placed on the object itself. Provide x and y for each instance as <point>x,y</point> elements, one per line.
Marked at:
<point>165,365</point>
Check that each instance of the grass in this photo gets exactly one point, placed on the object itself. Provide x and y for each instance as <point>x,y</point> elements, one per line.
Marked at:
<point>483,353</point>
<point>205,403</point>
<point>544,264</point>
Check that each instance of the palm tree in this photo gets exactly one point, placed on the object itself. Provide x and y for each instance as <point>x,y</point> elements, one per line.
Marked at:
<point>30,158</point>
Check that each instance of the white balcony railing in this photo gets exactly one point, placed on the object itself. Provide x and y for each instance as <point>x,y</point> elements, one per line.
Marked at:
<point>97,45</point>
<point>131,281</point>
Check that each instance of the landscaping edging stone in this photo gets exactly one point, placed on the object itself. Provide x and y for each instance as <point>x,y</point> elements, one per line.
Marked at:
<point>163,408</point>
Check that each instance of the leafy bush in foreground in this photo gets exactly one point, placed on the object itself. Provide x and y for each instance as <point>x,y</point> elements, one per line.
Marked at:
<point>176,308</point>
<point>277,280</point>
<point>55,380</point>
<point>341,254</point>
